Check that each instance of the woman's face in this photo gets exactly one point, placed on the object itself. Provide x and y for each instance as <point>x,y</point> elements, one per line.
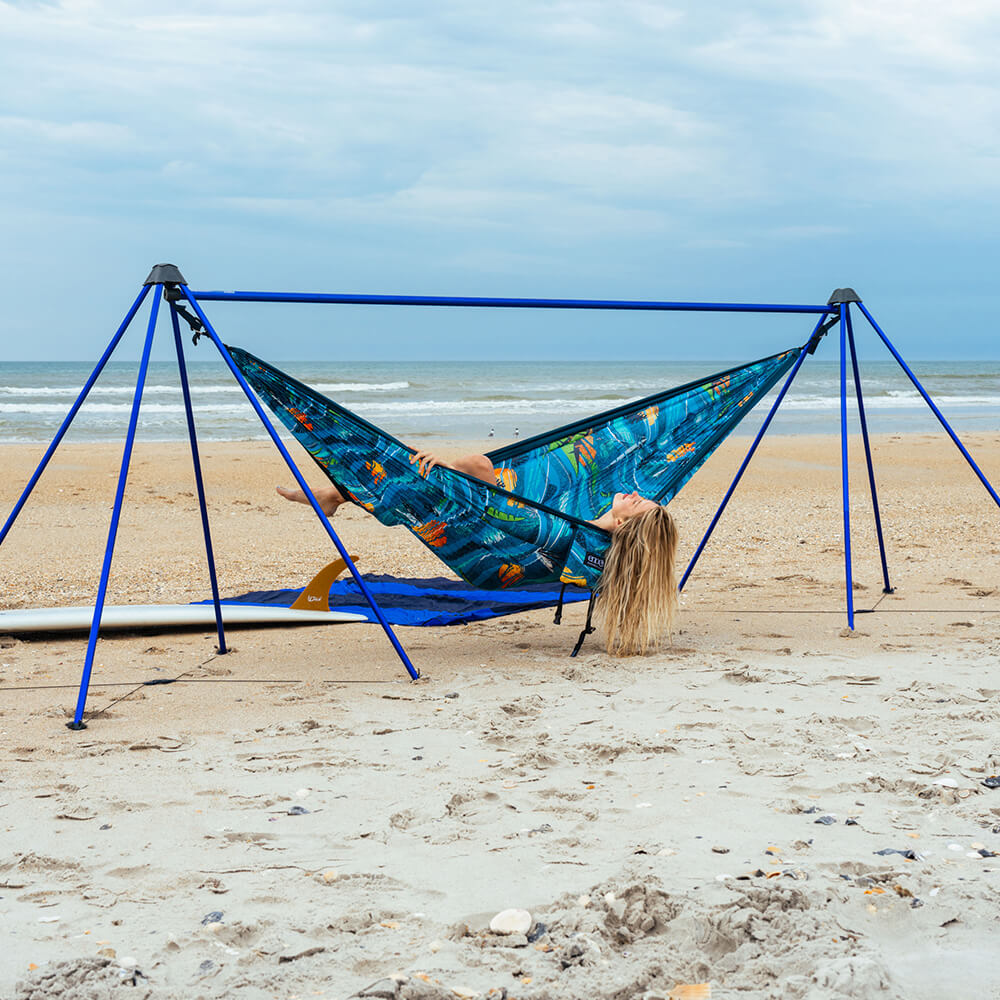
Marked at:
<point>629,505</point>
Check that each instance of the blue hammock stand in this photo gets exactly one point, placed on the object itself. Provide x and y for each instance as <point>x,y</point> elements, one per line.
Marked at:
<point>167,284</point>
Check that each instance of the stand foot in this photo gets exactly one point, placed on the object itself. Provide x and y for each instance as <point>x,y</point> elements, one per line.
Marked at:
<point>76,726</point>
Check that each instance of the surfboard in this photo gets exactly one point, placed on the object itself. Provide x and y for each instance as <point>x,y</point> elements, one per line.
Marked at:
<point>162,616</point>
<point>311,608</point>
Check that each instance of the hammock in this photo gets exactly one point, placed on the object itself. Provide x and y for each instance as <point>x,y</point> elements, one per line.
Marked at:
<point>532,526</point>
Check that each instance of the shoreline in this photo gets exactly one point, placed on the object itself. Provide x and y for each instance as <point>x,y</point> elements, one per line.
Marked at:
<point>675,818</point>
<point>787,424</point>
<point>434,401</point>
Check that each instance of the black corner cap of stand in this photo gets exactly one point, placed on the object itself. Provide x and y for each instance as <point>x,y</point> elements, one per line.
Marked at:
<point>76,726</point>
<point>165,274</point>
<point>843,296</point>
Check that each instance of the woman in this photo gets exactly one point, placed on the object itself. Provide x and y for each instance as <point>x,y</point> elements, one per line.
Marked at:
<point>637,593</point>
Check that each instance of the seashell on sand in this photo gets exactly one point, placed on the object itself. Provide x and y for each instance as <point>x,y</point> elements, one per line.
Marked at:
<point>511,922</point>
<point>691,991</point>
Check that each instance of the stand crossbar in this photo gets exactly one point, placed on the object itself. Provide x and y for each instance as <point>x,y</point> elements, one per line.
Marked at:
<point>465,301</point>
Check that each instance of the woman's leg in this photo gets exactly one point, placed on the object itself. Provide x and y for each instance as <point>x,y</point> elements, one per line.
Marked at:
<point>329,498</point>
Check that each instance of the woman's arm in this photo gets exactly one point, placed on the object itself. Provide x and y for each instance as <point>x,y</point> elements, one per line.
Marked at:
<point>477,466</point>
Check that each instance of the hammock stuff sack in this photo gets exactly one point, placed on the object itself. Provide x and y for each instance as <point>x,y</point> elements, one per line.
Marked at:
<point>532,526</point>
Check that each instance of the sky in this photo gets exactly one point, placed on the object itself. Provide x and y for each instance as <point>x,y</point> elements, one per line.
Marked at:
<point>763,151</point>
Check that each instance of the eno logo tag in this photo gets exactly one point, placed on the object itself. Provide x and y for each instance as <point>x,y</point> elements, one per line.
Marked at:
<point>593,562</point>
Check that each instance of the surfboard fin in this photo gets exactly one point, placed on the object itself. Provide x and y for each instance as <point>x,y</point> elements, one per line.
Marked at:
<point>316,595</point>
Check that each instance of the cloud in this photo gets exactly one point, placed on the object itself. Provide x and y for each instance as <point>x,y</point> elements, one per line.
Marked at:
<point>630,104</point>
<point>576,139</point>
<point>899,94</point>
<point>59,138</point>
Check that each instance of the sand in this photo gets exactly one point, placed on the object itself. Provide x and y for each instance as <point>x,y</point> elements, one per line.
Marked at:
<point>297,819</point>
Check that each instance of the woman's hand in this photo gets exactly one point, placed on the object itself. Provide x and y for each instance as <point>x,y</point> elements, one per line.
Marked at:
<point>425,461</point>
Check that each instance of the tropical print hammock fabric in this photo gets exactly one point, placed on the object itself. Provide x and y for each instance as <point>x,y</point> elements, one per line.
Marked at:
<point>654,445</point>
<point>532,526</point>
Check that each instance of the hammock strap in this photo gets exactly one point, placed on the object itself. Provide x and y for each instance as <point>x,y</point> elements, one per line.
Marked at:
<point>588,628</point>
<point>558,618</point>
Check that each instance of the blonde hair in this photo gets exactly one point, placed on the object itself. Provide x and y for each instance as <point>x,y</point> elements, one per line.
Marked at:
<point>637,593</point>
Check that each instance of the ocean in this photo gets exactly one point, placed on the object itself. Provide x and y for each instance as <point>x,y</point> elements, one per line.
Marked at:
<point>464,400</point>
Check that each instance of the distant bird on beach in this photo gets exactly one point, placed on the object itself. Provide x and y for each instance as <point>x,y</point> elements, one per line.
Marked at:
<point>490,433</point>
<point>516,432</point>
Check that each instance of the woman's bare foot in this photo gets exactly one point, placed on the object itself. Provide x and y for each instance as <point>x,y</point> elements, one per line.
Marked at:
<point>329,498</point>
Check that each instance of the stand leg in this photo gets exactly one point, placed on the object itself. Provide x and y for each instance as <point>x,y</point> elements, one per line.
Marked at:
<point>72,412</point>
<point>886,588</point>
<point>102,589</point>
<point>927,399</point>
<point>746,461</point>
<point>199,482</point>
<point>845,478</point>
<point>268,426</point>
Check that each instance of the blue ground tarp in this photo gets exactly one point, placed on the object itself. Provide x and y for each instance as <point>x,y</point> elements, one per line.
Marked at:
<point>436,601</point>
